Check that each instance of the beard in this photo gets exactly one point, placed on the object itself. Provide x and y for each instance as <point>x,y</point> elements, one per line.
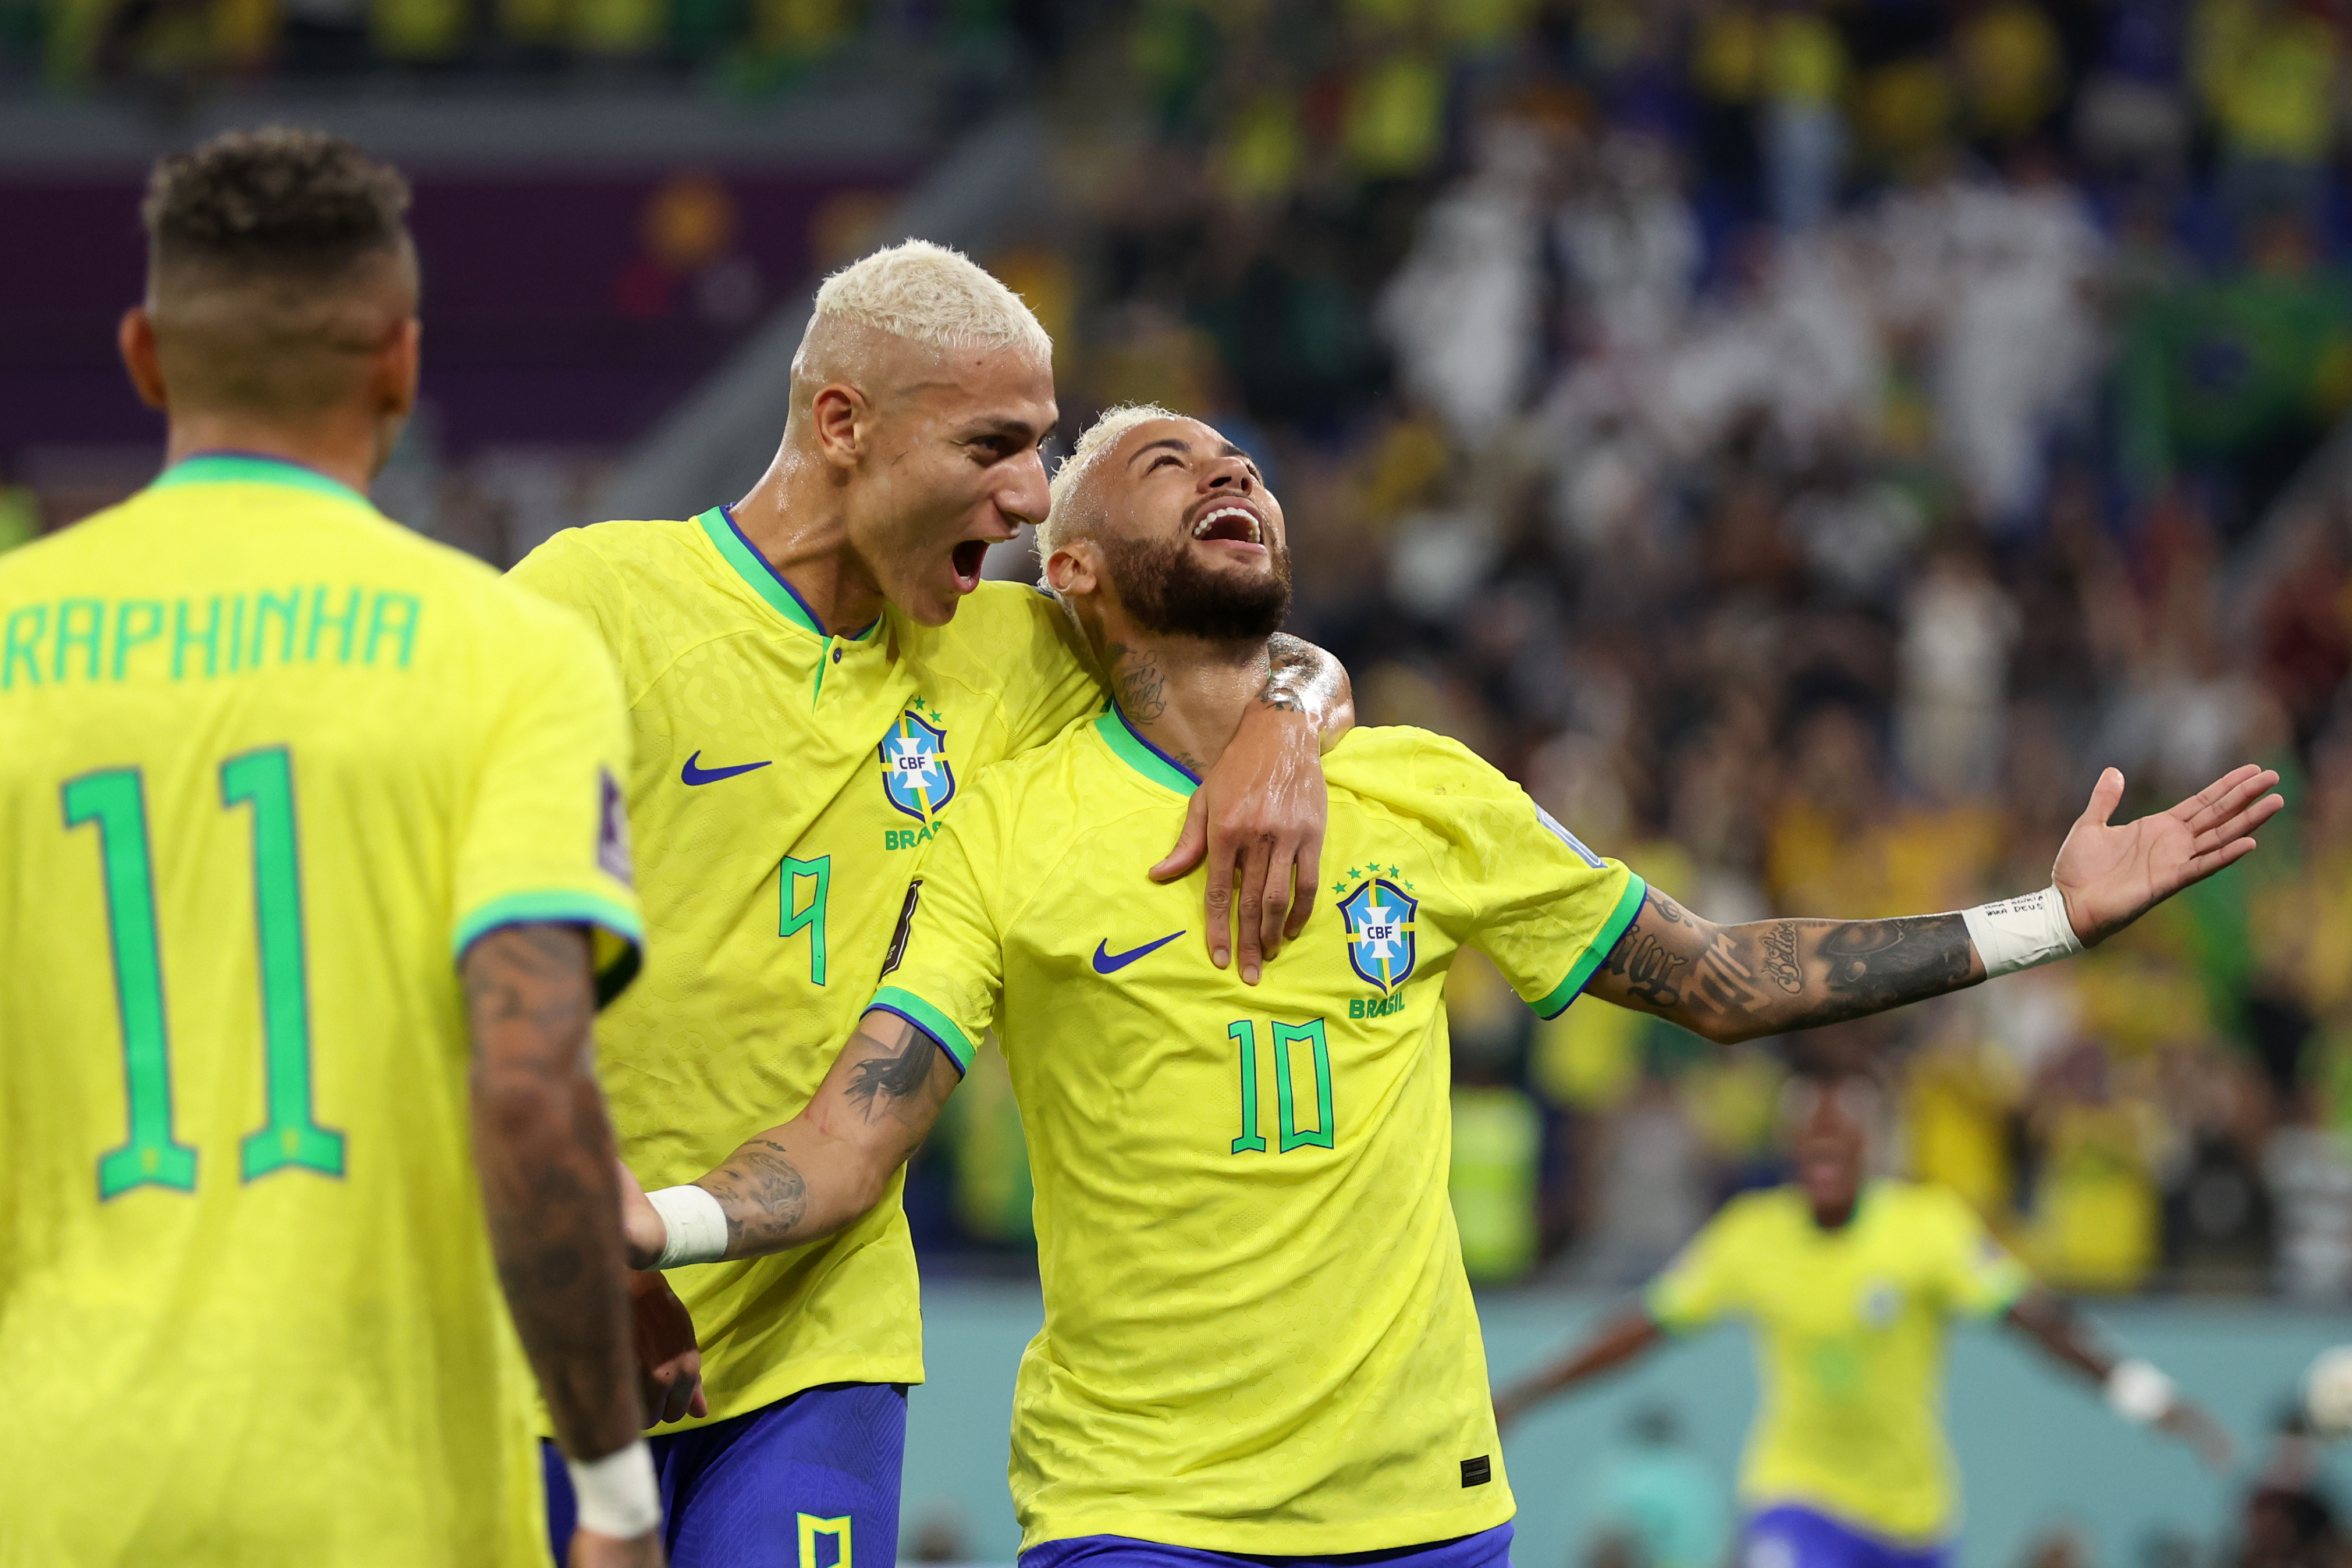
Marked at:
<point>1171,594</point>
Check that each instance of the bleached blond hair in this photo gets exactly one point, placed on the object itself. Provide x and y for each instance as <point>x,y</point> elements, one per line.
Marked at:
<point>928,294</point>
<point>1069,511</point>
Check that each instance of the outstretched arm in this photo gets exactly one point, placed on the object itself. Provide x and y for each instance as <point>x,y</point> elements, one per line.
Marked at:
<point>821,1171</point>
<point>1617,1342</point>
<point>1769,976</point>
<point>1263,805</point>
<point>2136,1390</point>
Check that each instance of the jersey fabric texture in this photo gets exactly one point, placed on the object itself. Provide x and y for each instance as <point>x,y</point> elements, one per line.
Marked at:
<point>785,783</point>
<point>1487,1549</point>
<point>1259,1335</point>
<point>1850,1344</point>
<point>812,1480</point>
<point>269,763</point>
<point>1789,1537</point>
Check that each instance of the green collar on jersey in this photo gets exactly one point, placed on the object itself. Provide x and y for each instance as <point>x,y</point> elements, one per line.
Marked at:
<point>764,578</point>
<point>253,468</point>
<point>1127,744</point>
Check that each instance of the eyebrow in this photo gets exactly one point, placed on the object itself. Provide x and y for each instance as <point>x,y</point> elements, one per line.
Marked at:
<point>1002,425</point>
<point>1179,444</point>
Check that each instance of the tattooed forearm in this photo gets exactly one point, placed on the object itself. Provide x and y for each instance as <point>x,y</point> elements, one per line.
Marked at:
<point>764,1194</point>
<point>1142,685</point>
<point>1737,982</point>
<point>819,1172</point>
<point>1302,678</point>
<point>549,1189</point>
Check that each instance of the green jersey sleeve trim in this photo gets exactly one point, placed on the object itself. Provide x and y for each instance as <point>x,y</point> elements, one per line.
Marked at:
<point>1628,904</point>
<point>927,1018</point>
<point>253,468</point>
<point>1129,746</point>
<point>565,907</point>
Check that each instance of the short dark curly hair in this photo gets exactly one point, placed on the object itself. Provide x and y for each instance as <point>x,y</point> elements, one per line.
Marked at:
<point>274,200</point>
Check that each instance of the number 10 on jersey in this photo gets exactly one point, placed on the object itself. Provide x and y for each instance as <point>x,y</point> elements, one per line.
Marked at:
<point>1288,1040</point>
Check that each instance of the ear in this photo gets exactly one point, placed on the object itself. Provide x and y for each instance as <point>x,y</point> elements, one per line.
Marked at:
<point>398,362</point>
<point>842,421</point>
<point>1072,571</point>
<point>135,336</point>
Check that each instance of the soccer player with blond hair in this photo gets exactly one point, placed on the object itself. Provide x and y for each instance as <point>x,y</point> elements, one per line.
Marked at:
<point>814,674</point>
<point>1259,1342</point>
<point>315,871</point>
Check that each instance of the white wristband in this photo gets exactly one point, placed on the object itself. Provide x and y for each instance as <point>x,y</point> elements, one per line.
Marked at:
<point>2019,933</point>
<point>2138,1391</point>
<point>697,1226</point>
<point>617,1495</point>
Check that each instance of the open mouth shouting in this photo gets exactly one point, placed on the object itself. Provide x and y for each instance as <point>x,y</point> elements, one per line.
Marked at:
<point>1232,524</point>
<point>965,561</point>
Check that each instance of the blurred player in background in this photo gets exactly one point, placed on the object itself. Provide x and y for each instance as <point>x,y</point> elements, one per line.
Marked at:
<point>1259,1339</point>
<point>269,764</point>
<point>1851,1283</point>
<point>814,673</point>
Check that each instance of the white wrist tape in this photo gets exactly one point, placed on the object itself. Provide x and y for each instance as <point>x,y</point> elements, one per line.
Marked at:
<point>2138,1391</point>
<point>697,1226</point>
<point>617,1495</point>
<point>2017,933</point>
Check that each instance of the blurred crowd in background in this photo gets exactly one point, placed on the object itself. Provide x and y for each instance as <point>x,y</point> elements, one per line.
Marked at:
<point>1802,443</point>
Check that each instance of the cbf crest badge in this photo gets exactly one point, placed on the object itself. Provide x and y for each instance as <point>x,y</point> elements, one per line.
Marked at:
<point>1380,928</point>
<point>915,771</point>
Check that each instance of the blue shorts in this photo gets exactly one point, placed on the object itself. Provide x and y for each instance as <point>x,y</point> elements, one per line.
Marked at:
<point>1785,1536</point>
<point>811,1481</point>
<point>1487,1549</point>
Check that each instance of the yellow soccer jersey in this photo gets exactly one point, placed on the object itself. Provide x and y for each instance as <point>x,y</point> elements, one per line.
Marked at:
<point>1849,1343</point>
<point>785,783</point>
<point>1259,1335</point>
<point>269,761</point>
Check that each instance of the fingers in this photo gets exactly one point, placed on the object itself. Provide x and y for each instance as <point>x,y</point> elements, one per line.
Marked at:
<point>2241,825</point>
<point>1309,862</point>
<point>2224,798</point>
<point>2200,867</point>
<point>1217,902</point>
<point>1273,900</point>
<point>1251,913</point>
<point>1188,843</point>
<point>2105,795</point>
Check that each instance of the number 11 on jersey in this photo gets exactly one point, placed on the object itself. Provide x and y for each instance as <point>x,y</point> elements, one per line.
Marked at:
<point>152,1156</point>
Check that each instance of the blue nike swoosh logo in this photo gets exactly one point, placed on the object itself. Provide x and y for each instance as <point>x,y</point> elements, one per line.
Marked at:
<point>694,775</point>
<point>1107,963</point>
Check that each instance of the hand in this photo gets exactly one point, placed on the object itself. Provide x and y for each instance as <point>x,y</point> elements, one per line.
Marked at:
<point>669,1363</point>
<point>643,1233</point>
<point>2110,876</point>
<point>1264,805</point>
<point>589,1549</point>
<point>2192,1426</point>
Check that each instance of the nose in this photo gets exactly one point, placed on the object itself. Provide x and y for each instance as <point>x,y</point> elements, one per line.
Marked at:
<point>1227,473</point>
<point>1024,496</point>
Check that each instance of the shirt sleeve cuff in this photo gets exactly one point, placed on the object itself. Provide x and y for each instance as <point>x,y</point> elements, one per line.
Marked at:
<point>619,933</point>
<point>929,1020</point>
<point>1628,904</point>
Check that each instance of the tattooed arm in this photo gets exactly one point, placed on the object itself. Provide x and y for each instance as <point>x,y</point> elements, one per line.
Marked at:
<point>1736,982</point>
<point>550,1185</point>
<point>821,1171</point>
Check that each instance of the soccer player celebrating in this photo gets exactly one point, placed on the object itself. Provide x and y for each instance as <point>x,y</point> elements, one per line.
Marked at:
<point>815,674</point>
<point>268,762</point>
<point>1850,1284</point>
<point>1259,1340</point>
